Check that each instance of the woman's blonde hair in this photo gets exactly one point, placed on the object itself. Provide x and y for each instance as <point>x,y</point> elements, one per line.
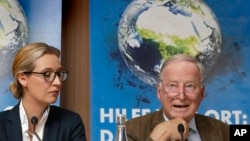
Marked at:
<point>25,61</point>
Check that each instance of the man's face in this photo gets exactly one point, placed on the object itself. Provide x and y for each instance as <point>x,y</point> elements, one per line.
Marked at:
<point>180,91</point>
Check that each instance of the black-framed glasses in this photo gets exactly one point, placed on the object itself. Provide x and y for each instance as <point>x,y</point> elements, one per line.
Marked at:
<point>50,76</point>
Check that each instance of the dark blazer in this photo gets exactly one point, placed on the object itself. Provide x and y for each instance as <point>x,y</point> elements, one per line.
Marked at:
<point>210,129</point>
<point>61,125</point>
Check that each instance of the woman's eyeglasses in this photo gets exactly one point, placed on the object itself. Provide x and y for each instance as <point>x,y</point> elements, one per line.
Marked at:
<point>50,76</point>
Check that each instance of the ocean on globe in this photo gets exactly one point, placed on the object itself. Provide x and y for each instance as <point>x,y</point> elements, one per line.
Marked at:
<point>13,35</point>
<point>150,31</point>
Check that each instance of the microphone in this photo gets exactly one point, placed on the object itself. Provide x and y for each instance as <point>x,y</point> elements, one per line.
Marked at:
<point>181,130</point>
<point>34,121</point>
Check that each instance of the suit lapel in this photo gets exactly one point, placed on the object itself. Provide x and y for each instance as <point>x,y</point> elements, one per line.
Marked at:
<point>157,118</point>
<point>206,130</point>
<point>52,126</point>
<point>14,129</point>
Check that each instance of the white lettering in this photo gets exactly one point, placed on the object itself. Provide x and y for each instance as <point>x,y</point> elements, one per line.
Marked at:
<point>237,116</point>
<point>225,116</point>
<point>213,112</point>
<point>135,113</point>
<point>109,115</point>
<point>145,111</point>
<point>243,131</point>
<point>106,135</point>
<point>237,132</point>
<point>120,111</point>
<point>139,112</point>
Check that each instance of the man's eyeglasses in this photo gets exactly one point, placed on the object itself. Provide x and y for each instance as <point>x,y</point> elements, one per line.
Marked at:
<point>173,90</point>
<point>50,76</point>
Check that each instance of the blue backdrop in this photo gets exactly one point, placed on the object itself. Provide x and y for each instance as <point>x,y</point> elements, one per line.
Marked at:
<point>43,19</point>
<point>115,89</point>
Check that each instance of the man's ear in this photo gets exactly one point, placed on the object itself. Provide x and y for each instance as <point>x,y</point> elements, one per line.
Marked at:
<point>159,90</point>
<point>203,91</point>
<point>22,79</point>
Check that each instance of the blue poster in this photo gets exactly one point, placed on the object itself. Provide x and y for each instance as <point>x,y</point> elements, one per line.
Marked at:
<point>21,22</point>
<point>129,39</point>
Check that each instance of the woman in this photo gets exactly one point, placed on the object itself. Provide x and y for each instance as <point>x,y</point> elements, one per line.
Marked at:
<point>38,77</point>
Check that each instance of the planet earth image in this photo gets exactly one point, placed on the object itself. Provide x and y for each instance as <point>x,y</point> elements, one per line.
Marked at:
<point>13,35</point>
<point>150,31</point>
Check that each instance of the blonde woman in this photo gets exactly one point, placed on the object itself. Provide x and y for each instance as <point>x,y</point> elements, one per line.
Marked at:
<point>38,77</point>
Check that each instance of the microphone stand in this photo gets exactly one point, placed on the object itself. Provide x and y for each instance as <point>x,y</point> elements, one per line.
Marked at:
<point>34,121</point>
<point>181,130</point>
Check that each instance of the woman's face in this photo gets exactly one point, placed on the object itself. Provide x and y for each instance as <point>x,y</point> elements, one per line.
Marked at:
<point>36,88</point>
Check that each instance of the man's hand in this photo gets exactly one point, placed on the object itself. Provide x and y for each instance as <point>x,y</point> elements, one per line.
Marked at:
<point>168,130</point>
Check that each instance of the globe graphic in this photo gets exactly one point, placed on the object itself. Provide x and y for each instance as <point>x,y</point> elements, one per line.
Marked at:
<point>150,31</point>
<point>13,35</point>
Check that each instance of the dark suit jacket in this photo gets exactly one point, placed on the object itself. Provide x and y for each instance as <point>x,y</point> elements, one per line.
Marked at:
<point>61,125</point>
<point>210,129</point>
